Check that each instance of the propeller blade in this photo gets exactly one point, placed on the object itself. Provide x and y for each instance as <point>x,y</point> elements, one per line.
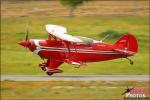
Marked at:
<point>27,34</point>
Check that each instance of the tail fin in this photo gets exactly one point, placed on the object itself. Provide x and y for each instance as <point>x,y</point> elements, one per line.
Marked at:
<point>127,44</point>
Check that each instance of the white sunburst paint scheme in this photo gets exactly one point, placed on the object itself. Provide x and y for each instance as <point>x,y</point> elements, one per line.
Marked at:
<point>38,46</point>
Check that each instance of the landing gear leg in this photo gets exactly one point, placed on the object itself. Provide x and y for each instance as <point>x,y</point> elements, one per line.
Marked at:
<point>131,62</point>
<point>51,67</point>
<point>43,66</point>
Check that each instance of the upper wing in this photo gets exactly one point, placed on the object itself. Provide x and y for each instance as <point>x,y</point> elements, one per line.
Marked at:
<point>59,32</point>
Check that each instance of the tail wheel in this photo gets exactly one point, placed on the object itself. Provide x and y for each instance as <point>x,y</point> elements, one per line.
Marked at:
<point>131,62</point>
<point>49,73</point>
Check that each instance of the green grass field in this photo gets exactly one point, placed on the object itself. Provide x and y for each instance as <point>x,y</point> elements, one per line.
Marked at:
<point>17,60</point>
<point>67,90</point>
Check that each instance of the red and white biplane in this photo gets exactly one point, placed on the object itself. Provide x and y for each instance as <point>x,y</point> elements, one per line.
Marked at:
<point>61,47</point>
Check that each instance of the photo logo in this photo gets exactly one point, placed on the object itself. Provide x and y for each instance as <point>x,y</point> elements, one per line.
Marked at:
<point>136,93</point>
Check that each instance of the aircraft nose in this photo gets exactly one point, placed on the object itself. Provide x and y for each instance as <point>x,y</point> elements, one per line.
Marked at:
<point>24,43</point>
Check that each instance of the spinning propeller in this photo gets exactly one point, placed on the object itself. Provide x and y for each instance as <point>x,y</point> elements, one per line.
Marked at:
<point>26,42</point>
<point>27,33</point>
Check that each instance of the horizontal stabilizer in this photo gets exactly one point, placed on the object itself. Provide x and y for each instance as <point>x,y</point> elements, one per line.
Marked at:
<point>125,52</point>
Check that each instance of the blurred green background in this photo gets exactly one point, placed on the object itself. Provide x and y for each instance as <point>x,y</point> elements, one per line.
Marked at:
<point>90,19</point>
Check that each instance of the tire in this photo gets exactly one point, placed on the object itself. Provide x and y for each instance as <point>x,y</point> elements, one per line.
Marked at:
<point>131,62</point>
<point>49,73</point>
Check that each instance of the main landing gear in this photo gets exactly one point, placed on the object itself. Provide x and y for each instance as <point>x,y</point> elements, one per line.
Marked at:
<point>48,71</point>
<point>131,62</point>
<point>43,66</point>
<point>52,71</point>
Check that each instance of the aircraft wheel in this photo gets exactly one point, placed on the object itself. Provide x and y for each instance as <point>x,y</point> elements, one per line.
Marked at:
<point>131,62</point>
<point>49,73</point>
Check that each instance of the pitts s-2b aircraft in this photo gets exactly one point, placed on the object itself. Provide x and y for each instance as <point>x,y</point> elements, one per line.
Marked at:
<point>61,47</point>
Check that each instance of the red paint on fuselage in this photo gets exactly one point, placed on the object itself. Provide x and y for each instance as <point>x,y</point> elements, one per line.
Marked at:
<point>78,52</point>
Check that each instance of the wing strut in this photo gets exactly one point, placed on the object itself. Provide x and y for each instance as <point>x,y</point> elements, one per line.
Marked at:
<point>66,44</point>
<point>75,49</point>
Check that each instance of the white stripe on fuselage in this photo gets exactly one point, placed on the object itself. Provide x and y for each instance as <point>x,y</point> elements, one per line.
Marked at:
<point>79,51</point>
<point>43,48</point>
<point>38,46</point>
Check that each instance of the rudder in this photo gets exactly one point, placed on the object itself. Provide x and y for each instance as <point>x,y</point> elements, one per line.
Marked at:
<point>127,42</point>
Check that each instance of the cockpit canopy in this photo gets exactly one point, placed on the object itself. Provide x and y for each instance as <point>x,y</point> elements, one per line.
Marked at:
<point>85,40</point>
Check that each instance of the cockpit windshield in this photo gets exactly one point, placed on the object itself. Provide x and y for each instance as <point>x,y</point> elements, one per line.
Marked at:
<point>87,41</point>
